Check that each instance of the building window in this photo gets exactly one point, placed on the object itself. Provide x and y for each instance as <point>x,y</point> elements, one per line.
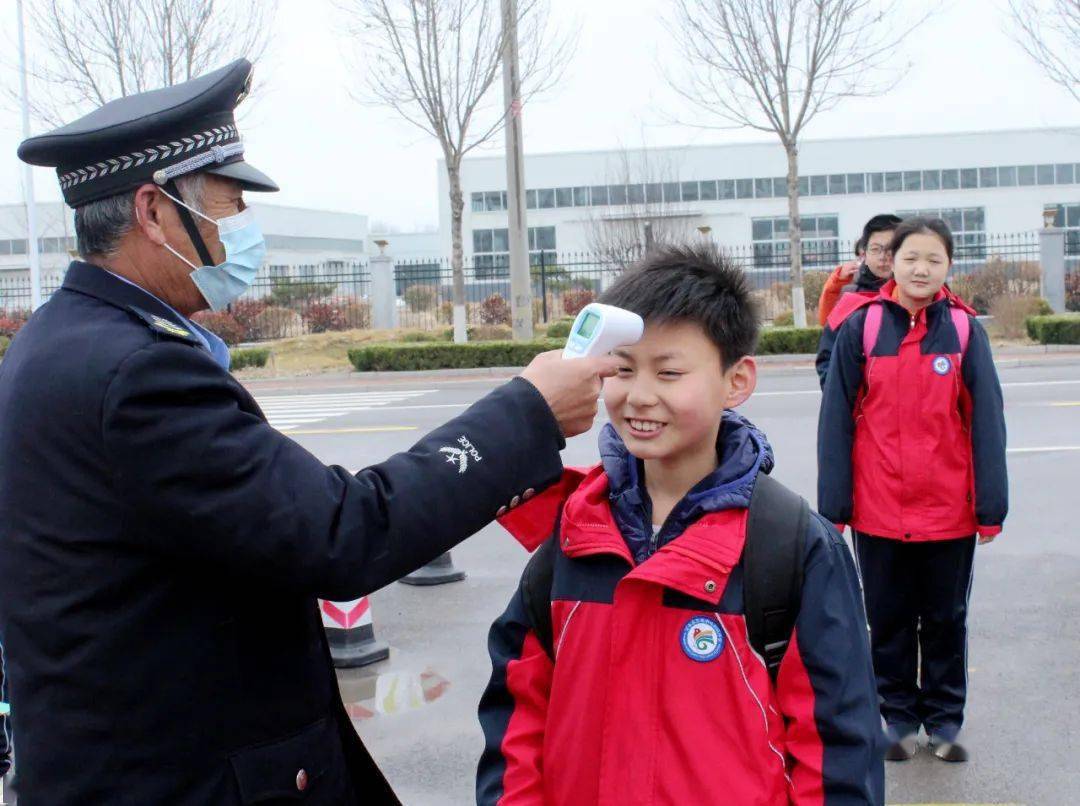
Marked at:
<point>820,246</point>
<point>744,188</point>
<point>837,184</point>
<point>894,181</point>
<point>546,198</point>
<point>654,193</point>
<point>1065,174</point>
<point>1044,174</point>
<point>727,188</point>
<point>690,191</point>
<point>819,185</point>
<point>968,226</point>
<point>708,190</point>
<point>581,197</point>
<point>1025,175</point>
<point>278,272</point>
<point>950,179</point>
<point>988,177</point>
<point>598,195</point>
<point>912,180</point>
<point>1007,176</point>
<point>530,199</point>
<point>617,194</point>
<point>564,197</point>
<point>763,188</point>
<point>491,250</point>
<point>877,183</point>
<point>672,192</point>
<point>931,180</point>
<point>1068,217</point>
<point>635,194</point>
<point>407,275</point>
<point>478,202</point>
<point>856,183</point>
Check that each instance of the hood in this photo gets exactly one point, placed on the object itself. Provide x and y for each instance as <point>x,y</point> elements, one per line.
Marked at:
<point>945,294</point>
<point>742,450</point>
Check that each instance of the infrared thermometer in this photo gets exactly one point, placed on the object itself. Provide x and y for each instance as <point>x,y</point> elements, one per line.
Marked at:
<point>599,329</point>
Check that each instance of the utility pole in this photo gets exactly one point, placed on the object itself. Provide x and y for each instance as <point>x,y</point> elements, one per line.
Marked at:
<point>520,279</point>
<point>28,176</point>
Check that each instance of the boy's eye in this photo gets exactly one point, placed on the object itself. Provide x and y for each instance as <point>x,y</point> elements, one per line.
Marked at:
<point>625,370</point>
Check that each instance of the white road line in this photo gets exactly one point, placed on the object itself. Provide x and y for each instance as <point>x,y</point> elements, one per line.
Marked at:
<point>286,412</point>
<point>1047,449</point>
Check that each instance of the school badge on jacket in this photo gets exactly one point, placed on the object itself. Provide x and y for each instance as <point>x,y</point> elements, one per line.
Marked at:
<point>702,639</point>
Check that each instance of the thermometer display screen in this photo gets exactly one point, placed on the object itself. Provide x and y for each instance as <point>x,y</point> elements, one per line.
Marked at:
<point>588,325</point>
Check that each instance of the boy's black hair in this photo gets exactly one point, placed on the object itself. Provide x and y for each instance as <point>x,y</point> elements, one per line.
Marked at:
<point>692,283</point>
<point>929,226</point>
<point>879,223</point>
<point>860,245</point>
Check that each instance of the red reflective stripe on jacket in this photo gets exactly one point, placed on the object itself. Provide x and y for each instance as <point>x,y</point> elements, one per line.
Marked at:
<point>802,739</point>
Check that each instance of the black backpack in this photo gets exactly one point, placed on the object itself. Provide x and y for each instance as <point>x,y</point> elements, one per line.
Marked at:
<point>772,573</point>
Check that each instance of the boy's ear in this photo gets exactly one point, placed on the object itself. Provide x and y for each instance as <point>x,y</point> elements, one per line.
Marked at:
<point>743,377</point>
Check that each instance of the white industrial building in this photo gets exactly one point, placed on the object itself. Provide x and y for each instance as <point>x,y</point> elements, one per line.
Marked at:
<point>301,243</point>
<point>982,183</point>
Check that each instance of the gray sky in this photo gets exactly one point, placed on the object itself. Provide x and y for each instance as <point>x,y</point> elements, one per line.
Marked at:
<point>328,152</point>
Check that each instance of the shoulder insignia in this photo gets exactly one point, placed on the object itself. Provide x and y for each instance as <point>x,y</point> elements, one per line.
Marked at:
<point>166,327</point>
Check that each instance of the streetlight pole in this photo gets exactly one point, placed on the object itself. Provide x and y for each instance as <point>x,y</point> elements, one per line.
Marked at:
<point>28,176</point>
<point>520,280</point>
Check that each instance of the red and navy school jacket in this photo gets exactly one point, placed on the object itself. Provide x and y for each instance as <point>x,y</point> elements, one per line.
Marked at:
<point>911,436</point>
<point>655,695</point>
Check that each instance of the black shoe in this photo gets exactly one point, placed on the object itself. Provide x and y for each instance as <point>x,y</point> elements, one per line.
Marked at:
<point>903,749</point>
<point>953,751</point>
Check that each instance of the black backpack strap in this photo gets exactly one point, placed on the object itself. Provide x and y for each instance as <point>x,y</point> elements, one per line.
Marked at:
<point>773,568</point>
<point>536,590</point>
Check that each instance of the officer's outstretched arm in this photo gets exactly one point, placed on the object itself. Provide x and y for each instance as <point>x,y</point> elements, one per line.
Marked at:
<point>205,480</point>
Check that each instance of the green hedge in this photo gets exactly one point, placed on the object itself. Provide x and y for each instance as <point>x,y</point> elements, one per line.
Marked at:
<point>785,340</point>
<point>560,329</point>
<point>1057,329</point>
<point>254,357</point>
<point>4,342</point>
<point>400,357</point>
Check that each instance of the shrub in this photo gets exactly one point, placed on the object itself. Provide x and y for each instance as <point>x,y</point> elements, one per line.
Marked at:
<point>12,321</point>
<point>573,301</point>
<point>560,329</point>
<point>1010,313</point>
<point>784,319</point>
<point>785,340</point>
<point>321,317</point>
<point>1072,290</point>
<point>254,357</point>
<point>401,357</point>
<point>1056,329</point>
<point>221,323</point>
<point>244,311</point>
<point>495,311</point>
<point>422,298</point>
<point>424,336</point>
<point>445,313</point>
<point>287,292</point>
<point>813,284</point>
<point>4,342</point>
<point>982,286</point>
<point>488,333</point>
<point>277,323</point>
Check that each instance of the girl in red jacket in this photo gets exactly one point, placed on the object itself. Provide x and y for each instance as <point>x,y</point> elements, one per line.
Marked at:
<point>911,453</point>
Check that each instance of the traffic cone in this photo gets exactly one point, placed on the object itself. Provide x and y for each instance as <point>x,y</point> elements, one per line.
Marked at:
<point>351,633</point>
<point>437,572</point>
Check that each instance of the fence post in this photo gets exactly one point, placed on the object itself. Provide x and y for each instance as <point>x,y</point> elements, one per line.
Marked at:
<point>1052,263</point>
<point>384,312</point>
<point>543,286</point>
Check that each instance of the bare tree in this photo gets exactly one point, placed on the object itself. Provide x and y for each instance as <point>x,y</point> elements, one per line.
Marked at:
<point>648,213</point>
<point>92,51</point>
<point>1048,33</point>
<point>773,65</point>
<point>435,62</point>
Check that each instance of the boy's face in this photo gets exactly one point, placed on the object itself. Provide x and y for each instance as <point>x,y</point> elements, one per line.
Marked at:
<point>877,256</point>
<point>671,391</point>
<point>920,267</point>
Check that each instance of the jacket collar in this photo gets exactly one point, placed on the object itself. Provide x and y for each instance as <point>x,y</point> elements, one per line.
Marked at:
<point>944,295</point>
<point>99,283</point>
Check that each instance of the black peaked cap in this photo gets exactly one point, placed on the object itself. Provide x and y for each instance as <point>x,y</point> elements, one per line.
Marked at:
<point>152,137</point>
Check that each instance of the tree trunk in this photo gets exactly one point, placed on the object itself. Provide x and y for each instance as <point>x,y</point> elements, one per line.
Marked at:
<point>798,298</point>
<point>457,257</point>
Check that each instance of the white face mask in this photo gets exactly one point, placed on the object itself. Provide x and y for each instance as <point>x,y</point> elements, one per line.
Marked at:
<point>245,249</point>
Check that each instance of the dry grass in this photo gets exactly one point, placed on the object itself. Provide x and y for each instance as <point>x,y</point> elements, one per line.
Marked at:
<point>314,353</point>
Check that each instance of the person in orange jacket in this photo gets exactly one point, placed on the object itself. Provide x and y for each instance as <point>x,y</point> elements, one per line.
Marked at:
<point>864,276</point>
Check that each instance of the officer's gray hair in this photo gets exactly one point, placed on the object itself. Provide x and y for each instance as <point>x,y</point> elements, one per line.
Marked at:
<point>100,225</point>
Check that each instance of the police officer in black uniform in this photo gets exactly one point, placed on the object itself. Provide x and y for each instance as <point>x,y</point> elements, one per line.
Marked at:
<point>161,546</point>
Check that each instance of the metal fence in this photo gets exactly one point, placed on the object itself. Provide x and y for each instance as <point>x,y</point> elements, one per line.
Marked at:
<point>330,297</point>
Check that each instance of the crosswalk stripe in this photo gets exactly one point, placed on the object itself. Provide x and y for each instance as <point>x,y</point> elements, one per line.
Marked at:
<point>286,412</point>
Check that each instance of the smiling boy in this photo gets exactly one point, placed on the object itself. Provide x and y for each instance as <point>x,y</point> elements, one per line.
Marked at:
<point>638,682</point>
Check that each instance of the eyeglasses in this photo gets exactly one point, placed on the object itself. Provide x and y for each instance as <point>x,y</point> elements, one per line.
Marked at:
<point>877,251</point>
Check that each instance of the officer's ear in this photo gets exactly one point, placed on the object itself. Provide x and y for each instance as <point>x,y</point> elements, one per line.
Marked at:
<point>149,209</point>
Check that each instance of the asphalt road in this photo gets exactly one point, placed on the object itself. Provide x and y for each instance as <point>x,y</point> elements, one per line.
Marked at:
<point>416,711</point>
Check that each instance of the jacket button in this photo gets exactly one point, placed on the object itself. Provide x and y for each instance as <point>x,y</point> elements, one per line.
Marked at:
<point>529,493</point>
<point>515,501</point>
<point>301,780</point>
<point>502,511</point>
<point>710,586</point>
